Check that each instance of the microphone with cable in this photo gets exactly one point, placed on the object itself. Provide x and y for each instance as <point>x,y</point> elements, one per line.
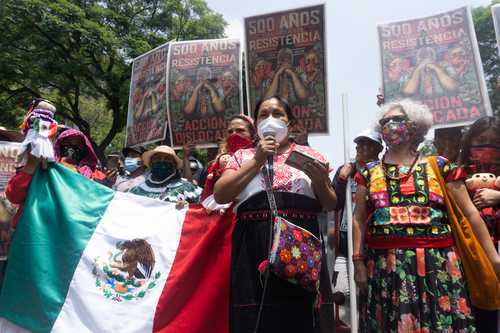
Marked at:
<point>270,158</point>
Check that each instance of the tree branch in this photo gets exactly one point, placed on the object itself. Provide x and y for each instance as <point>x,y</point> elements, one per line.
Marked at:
<point>96,62</point>
<point>60,111</point>
<point>115,125</point>
<point>24,87</point>
<point>53,41</point>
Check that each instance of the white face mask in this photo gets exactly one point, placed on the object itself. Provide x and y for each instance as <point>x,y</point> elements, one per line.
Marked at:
<point>273,126</point>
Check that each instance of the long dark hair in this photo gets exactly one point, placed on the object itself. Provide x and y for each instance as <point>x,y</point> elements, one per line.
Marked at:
<point>284,103</point>
<point>479,126</point>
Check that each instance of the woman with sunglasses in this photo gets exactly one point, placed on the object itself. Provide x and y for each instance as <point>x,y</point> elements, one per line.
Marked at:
<point>404,259</point>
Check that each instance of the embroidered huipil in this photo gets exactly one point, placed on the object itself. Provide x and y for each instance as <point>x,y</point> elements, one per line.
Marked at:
<point>171,190</point>
<point>414,276</point>
<point>407,211</point>
<point>286,178</point>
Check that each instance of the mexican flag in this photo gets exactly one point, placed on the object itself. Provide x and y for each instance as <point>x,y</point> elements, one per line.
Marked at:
<point>85,258</point>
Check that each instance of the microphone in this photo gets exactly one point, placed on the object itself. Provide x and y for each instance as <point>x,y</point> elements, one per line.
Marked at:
<point>269,133</point>
<point>270,158</point>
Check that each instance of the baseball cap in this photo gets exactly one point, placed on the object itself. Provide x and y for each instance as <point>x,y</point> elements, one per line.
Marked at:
<point>369,133</point>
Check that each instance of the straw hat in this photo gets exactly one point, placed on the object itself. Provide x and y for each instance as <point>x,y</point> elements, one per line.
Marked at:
<point>146,157</point>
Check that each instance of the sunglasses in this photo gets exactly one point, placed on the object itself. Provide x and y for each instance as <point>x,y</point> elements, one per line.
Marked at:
<point>395,119</point>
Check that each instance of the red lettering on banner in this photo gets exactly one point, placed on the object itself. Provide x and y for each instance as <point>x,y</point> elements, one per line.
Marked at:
<point>213,123</point>
<point>300,112</point>
<point>307,119</point>
<point>456,115</point>
<point>451,116</point>
<point>147,130</point>
<point>444,102</point>
<point>308,124</point>
<point>179,137</point>
<point>198,137</point>
<point>450,109</point>
<point>462,114</point>
<point>474,112</point>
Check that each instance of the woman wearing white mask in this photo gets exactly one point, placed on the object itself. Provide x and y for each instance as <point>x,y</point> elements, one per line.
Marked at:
<point>300,195</point>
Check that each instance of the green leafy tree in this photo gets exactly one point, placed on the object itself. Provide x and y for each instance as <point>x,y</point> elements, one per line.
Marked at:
<point>78,54</point>
<point>485,32</point>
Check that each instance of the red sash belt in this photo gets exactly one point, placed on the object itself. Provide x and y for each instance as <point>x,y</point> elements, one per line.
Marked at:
<point>401,242</point>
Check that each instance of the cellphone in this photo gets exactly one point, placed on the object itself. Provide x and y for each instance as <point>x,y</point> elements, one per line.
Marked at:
<point>298,160</point>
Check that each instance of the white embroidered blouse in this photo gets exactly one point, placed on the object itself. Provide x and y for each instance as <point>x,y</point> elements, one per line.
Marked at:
<point>286,178</point>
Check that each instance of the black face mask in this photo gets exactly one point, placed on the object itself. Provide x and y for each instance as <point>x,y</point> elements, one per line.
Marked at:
<point>72,153</point>
<point>161,170</point>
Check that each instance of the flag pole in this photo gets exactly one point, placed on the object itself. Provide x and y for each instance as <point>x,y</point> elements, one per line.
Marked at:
<point>348,201</point>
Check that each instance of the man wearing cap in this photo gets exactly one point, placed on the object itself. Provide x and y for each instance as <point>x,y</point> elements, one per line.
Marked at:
<point>131,172</point>
<point>368,147</point>
<point>163,180</point>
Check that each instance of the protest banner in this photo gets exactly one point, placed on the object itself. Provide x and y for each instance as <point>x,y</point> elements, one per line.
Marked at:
<point>435,60</point>
<point>147,107</point>
<point>495,13</point>
<point>8,153</point>
<point>204,83</point>
<point>285,56</point>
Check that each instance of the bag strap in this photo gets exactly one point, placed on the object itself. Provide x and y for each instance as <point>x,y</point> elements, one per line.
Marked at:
<point>267,175</point>
<point>450,203</point>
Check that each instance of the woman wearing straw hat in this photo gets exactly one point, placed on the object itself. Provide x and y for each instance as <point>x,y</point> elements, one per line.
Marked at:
<point>163,181</point>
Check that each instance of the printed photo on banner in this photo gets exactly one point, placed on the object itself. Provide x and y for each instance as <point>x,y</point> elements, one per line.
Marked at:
<point>285,56</point>
<point>435,60</point>
<point>204,90</point>
<point>146,119</point>
<point>495,13</point>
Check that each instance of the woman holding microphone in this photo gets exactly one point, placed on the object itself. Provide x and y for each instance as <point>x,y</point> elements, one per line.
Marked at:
<point>300,195</point>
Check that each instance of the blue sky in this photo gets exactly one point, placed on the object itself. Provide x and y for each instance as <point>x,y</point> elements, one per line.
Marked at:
<point>352,46</point>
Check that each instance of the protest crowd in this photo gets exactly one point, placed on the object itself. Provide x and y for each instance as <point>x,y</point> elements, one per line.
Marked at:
<point>404,237</point>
